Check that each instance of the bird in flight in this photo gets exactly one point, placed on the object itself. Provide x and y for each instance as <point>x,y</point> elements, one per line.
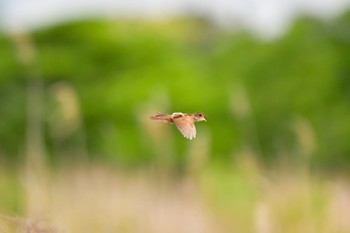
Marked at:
<point>183,121</point>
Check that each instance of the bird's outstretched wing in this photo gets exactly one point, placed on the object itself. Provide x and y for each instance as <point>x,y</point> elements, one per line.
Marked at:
<point>186,126</point>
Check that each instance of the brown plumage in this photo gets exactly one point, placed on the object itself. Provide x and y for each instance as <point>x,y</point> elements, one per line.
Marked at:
<point>183,121</point>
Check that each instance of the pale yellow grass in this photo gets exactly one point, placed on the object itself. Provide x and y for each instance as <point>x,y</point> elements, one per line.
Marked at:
<point>241,198</point>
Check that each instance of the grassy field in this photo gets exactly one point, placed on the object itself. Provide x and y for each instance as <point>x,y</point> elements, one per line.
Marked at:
<point>79,154</point>
<point>237,198</point>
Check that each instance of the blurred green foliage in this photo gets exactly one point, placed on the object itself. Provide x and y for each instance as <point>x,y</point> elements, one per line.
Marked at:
<point>252,90</point>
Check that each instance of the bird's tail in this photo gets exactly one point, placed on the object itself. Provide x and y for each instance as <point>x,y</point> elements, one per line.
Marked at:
<point>161,117</point>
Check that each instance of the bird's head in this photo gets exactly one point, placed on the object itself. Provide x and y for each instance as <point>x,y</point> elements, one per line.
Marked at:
<point>199,116</point>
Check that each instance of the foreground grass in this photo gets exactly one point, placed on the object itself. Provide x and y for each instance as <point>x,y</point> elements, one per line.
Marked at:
<point>243,198</point>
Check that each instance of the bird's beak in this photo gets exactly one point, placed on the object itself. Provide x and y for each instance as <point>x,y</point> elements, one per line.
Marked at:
<point>204,119</point>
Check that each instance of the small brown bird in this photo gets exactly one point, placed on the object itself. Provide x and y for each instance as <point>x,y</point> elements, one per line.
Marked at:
<point>183,121</point>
